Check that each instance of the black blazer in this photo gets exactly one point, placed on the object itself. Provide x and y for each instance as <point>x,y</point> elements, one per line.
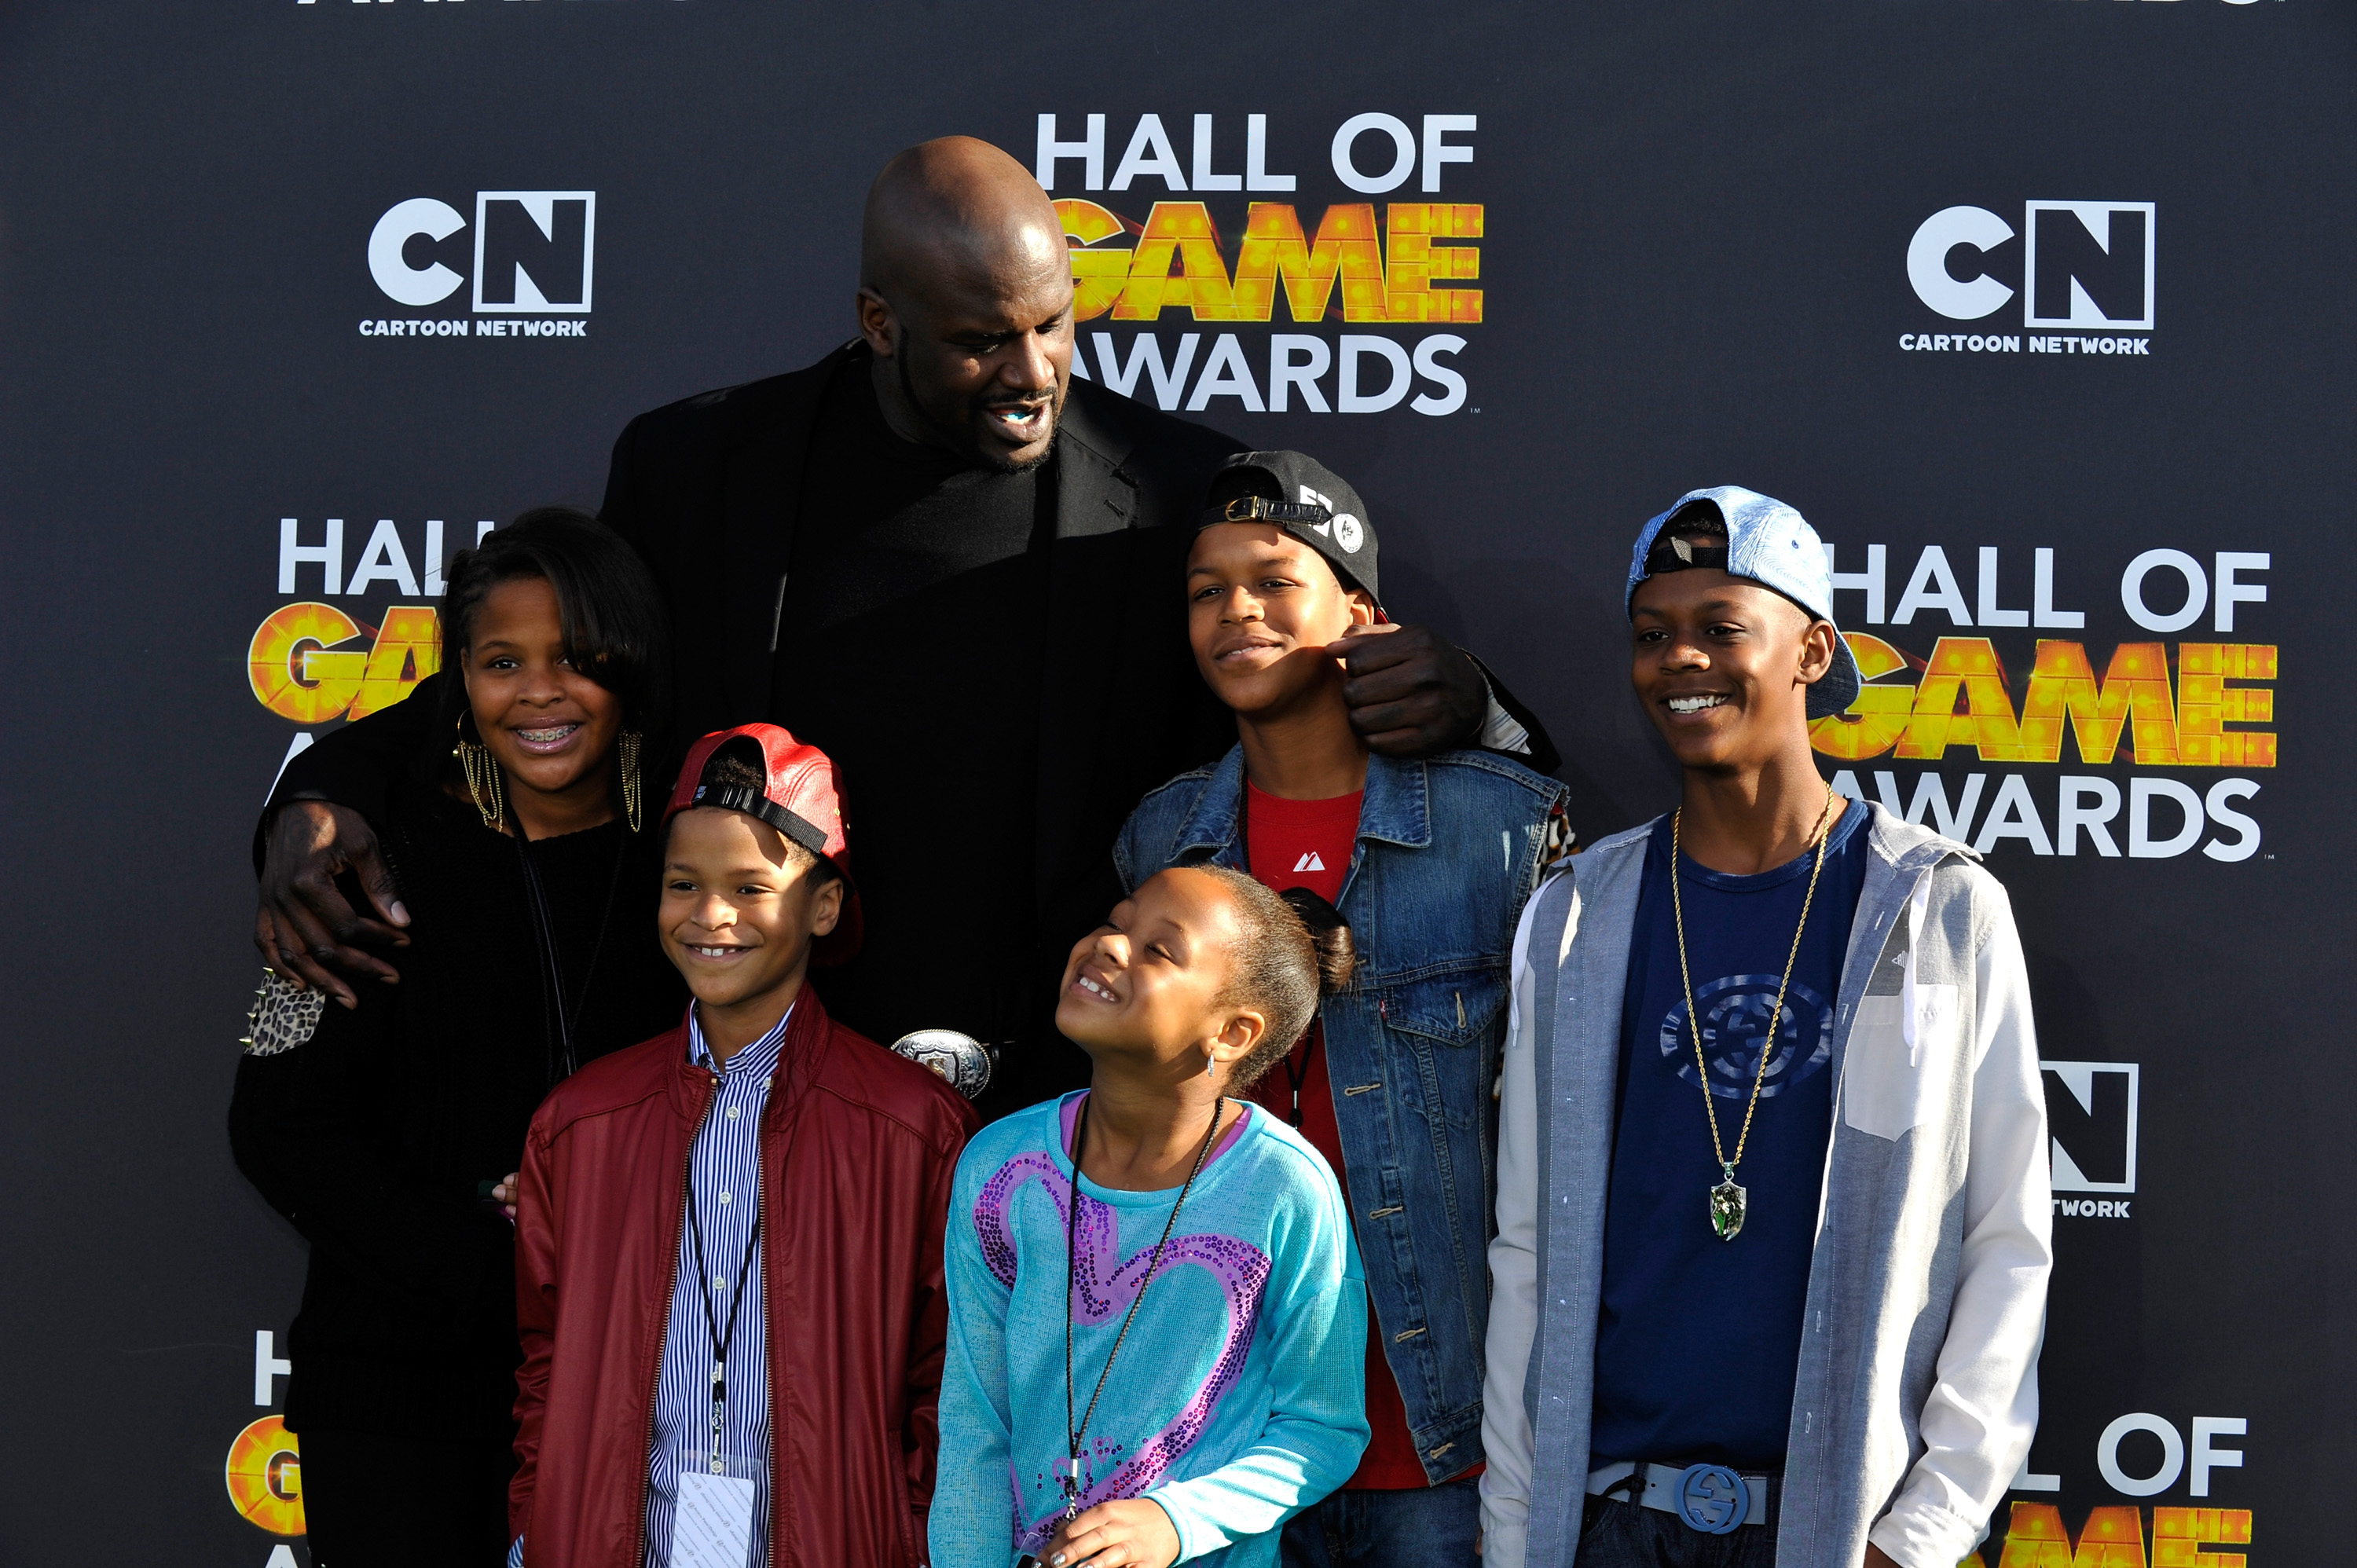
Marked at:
<point>706,490</point>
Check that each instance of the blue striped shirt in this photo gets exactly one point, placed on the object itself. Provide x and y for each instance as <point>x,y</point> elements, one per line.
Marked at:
<point>725,1167</point>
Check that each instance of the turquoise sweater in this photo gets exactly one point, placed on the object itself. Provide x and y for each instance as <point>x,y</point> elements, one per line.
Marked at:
<point>1238,1398</point>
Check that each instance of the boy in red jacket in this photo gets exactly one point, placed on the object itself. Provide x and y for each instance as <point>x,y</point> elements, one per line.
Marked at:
<point>728,1239</point>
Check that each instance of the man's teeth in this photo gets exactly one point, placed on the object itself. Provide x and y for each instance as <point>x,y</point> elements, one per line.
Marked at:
<point>1019,415</point>
<point>1693,705</point>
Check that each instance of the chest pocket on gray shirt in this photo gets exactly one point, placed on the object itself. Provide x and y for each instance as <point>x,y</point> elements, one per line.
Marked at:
<point>1904,1046</point>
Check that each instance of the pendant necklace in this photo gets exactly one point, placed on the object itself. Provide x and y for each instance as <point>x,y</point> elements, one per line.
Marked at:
<point>1729,1202</point>
<point>1069,1469</point>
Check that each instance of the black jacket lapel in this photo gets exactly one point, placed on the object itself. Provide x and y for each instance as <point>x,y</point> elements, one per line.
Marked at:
<point>1090,571</point>
<point>759,508</point>
<point>1123,710</point>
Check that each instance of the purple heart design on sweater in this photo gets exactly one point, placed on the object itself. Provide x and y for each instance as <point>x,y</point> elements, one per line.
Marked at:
<point>1104,1285</point>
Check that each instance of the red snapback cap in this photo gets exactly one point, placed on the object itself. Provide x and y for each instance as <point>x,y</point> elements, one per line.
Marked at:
<point>803,800</point>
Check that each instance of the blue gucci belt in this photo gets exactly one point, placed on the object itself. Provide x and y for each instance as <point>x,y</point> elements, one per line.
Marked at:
<point>1712,1499</point>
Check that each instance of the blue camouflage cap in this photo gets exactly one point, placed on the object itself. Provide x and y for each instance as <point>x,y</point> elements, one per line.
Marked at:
<point>1775,547</point>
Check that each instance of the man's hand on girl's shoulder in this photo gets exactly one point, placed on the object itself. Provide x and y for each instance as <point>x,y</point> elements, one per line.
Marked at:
<point>305,930</point>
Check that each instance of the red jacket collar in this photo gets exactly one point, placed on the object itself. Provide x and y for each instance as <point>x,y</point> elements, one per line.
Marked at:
<point>800,1058</point>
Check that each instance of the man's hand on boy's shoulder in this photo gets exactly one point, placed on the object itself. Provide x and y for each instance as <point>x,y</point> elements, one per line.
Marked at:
<point>1411,692</point>
<point>305,928</point>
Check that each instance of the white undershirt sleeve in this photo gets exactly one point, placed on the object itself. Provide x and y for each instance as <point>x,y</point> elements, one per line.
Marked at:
<point>1513,1278</point>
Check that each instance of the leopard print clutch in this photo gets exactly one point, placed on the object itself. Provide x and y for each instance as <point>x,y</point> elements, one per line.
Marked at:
<point>281,1017</point>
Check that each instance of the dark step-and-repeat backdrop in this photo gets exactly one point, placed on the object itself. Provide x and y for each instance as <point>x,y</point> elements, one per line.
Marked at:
<point>2040,309</point>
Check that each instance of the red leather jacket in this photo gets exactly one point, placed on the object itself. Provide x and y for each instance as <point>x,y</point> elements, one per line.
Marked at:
<point>858,1147</point>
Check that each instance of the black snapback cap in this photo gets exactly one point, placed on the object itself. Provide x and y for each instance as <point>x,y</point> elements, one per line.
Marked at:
<point>1309,501</point>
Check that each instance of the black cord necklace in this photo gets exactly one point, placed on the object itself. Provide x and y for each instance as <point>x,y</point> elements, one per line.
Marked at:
<point>1295,1076</point>
<point>561,1059</point>
<point>1074,1433</point>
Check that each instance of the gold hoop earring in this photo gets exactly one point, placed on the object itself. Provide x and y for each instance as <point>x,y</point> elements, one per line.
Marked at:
<point>631,793</point>
<point>482,771</point>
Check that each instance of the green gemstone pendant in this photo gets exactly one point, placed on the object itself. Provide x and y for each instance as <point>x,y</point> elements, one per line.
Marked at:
<point>1726,1206</point>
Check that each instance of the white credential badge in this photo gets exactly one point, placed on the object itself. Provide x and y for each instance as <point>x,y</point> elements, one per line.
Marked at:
<point>712,1526</point>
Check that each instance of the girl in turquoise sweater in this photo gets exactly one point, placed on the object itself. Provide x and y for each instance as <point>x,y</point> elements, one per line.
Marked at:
<point>1169,1371</point>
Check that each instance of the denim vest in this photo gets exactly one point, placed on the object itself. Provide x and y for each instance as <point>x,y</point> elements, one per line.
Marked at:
<point>1448,848</point>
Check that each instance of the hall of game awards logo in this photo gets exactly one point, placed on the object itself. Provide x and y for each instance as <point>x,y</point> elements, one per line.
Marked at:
<point>2083,272</point>
<point>2022,685</point>
<point>263,1472</point>
<point>529,254</point>
<point>340,649</point>
<point>1257,300</point>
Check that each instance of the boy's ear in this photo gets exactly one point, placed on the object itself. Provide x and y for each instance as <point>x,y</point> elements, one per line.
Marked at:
<point>1817,651</point>
<point>826,906</point>
<point>1362,608</point>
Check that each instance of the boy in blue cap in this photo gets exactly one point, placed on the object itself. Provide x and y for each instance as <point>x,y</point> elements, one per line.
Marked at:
<point>1772,1133</point>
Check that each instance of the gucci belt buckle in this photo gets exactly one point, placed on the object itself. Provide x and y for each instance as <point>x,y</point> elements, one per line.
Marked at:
<point>1713,1499</point>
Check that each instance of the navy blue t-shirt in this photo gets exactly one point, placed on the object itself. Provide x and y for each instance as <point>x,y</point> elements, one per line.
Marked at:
<point>1698,1340</point>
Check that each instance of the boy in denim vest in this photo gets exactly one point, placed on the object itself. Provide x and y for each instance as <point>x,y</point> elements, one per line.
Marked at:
<point>1429,862</point>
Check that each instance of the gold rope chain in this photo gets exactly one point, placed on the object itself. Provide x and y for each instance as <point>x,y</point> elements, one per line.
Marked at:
<point>1693,1016</point>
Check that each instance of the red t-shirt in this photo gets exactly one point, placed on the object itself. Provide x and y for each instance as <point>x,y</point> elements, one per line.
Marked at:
<point>1308,843</point>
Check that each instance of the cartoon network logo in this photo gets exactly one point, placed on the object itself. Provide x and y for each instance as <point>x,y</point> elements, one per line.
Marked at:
<point>2086,266</point>
<point>532,253</point>
<point>2090,1115</point>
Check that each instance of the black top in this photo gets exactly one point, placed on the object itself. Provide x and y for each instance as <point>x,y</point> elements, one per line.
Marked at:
<point>375,1135</point>
<point>911,651</point>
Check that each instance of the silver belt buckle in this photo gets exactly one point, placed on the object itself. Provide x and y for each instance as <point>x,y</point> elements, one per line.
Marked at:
<point>957,1059</point>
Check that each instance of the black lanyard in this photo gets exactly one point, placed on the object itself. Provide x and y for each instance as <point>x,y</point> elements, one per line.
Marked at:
<point>719,1335</point>
<point>1071,1287</point>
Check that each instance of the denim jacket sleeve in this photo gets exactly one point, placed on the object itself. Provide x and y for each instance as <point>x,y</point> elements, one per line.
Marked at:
<point>1126,851</point>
